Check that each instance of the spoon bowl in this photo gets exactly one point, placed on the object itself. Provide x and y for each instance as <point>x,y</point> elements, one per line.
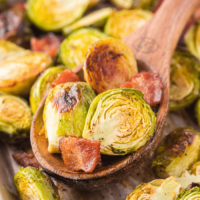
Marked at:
<point>153,46</point>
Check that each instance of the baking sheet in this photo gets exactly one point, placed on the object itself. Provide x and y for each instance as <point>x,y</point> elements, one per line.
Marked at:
<point>118,191</point>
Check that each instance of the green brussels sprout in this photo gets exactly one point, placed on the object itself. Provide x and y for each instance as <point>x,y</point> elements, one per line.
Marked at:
<point>109,64</point>
<point>19,68</point>
<point>190,193</point>
<point>74,48</point>
<point>120,120</point>
<point>96,18</point>
<point>192,40</point>
<point>65,111</point>
<point>122,23</point>
<point>197,111</point>
<point>127,4</point>
<point>42,85</point>
<point>53,15</point>
<point>156,190</point>
<point>184,80</point>
<point>177,152</point>
<point>15,118</point>
<point>31,184</point>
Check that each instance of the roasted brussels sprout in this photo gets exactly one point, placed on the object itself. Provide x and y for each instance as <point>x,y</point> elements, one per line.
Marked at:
<point>109,64</point>
<point>192,40</point>
<point>53,15</point>
<point>158,189</point>
<point>177,152</point>
<point>122,23</point>
<point>65,112</point>
<point>192,192</point>
<point>15,118</point>
<point>184,80</point>
<point>127,4</point>
<point>33,184</point>
<point>74,48</point>
<point>15,26</point>
<point>197,111</point>
<point>19,69</point>
<point>120,120</point>
<point>42,85</point>
<point>97,18</point>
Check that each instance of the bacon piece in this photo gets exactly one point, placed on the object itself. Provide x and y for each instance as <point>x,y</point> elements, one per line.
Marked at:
<point>26,159</point>
<point>66,76</point>
<point>48,44</point>
<point>150,84</point>
<point>80,154</point>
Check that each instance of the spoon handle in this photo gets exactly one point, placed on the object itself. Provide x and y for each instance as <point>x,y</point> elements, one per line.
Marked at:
<point>155,42</point>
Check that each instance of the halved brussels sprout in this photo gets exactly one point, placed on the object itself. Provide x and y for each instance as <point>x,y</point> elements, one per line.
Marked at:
<point>109,64</point>
<point>184,80</point>
<point>156,190</point>
<point>122,23</point>
<point>177,152</point>
<point>190,193</point>
<point>31,184</point>
<point>19,69</point>
<point>65,111</point>
<point>15,118</point>
<point>120,120</point>
<point>192,40</point>
<point>127,4</point>
<point>97,18</point>
<point>53,15</point>
<point>42,85</point>
<point>74,48</point>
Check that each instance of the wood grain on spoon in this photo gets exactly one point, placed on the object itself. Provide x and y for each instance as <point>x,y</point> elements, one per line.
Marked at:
<point>153,46</point>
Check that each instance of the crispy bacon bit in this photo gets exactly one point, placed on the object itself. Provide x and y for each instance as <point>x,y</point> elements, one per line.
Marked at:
<point>26,159</point>
<point>48,44</point>
<point>66,76</point>
<point>150,84</point>
<point>80,154</point>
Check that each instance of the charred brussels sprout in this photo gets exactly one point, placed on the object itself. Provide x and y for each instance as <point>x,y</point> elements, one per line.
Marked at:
<point>158,189</point>
<point>65,111</point>
<point>74,48</point>
<point>184,80</point>
<point>109,64</point>
<point>122,23</point>
<point>19,68</point>
<point>53,15</point>
<point>15,118</point>
<point>120,120</point>
<point>42,85</point>
<point>192,40</point>
<point>192,192</point>
<point>96,18</point>
<point>33,184</point>
<point>177,152</point>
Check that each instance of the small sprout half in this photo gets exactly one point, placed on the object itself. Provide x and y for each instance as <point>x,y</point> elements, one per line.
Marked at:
<point>65,111</point>
<point>120,120</point>
<point>184,80</point>
<point>34,185</point>
<point>192,192</point>
<point>156,190</point>
<point>122,23</point>
<point>53,15</point>
<point>177,152</point>
<point>96,18</point>
<point>109,64</point>
<point>74,48</point>
<point>42,85</point>
<point>15,118</point>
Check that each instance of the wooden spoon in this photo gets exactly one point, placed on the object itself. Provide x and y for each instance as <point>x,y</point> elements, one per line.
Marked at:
<point>153,46</point>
